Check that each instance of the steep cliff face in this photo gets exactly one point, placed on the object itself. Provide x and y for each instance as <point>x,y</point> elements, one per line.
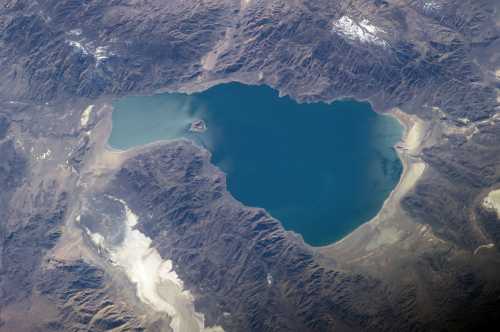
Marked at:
<point>430,264</point>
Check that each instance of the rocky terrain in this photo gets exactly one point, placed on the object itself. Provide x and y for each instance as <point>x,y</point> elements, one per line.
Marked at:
<point>428,262</point>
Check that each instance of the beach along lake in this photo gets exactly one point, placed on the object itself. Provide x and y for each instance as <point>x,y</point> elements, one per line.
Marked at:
<point>321,169</point>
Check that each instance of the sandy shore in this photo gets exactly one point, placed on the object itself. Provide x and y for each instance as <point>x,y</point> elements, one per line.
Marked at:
<point>408,151</point>
<point>386,227</point>
<point>157,286</point>
<point>492,201</point>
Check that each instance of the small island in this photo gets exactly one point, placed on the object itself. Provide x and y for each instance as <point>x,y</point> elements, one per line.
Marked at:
<point>198,126</point>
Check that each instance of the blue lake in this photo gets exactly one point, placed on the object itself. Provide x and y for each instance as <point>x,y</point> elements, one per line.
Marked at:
<point>321,169</point>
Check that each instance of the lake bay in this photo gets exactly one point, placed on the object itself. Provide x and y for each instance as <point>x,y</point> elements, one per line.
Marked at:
<point>321,169</point>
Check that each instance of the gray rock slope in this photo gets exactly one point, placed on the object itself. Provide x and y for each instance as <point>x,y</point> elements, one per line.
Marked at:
<point>435,59</point>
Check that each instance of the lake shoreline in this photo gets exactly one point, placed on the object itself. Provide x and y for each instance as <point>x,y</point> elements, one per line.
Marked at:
<point>341,180</point>
<point>383,228</point>
<point>410,174</point>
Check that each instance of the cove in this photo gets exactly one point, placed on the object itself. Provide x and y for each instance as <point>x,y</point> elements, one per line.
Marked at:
<point>321,169</point>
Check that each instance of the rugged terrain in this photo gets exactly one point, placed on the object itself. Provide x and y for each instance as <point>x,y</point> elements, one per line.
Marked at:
<point>428,262</point>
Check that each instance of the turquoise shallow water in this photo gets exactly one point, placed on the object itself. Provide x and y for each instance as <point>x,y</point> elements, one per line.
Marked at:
<point>322,170</point>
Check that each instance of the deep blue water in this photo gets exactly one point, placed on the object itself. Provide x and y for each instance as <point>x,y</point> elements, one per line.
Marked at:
<point>321,169</point>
